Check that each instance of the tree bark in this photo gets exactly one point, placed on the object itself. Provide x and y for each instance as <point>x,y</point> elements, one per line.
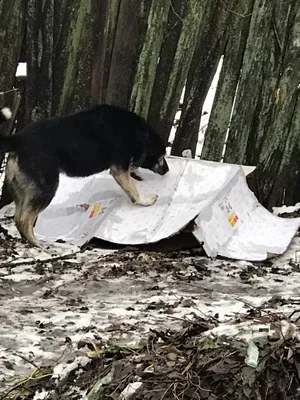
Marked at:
<point>168,95</point>
<point>281,24</point>
<point>73,53</point>
<point>129,36</point>
<point>286,187</point>
<point>146,68</point>
<point>176,17</point>
<point>39,59</point>
<point>106,17</point>
<point>278,168</point>
<point>256,66</point>
<point>12,30</point>
<point>215,134</point>
<point>210,45</point>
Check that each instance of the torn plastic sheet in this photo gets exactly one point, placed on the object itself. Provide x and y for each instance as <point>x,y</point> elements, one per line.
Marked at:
<point>229,219</point>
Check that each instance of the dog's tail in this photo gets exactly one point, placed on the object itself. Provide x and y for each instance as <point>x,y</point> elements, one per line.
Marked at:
<point>5,114</point>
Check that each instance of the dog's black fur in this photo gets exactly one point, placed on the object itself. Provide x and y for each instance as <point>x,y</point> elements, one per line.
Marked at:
<point>81,144</point>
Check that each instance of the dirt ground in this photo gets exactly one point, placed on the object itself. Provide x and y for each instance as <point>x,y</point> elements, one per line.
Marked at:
<point>52,301</point>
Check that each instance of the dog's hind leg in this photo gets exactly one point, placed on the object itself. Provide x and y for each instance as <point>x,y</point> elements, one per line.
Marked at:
<point>31,196</point>
<point>25,220</point>
<point>123,179</point>
<point>27,212</point>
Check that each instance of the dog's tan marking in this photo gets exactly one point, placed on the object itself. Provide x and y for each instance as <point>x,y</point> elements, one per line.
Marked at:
<point>124,180</point>
<point>12,168</point>
<point>25,221</point>
<point>24,190</point>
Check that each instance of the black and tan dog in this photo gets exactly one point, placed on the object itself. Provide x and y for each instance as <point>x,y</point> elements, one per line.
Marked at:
<point>78,145</point>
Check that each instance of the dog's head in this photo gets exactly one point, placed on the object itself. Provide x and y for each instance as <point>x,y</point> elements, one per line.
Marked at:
<point>154,158</point>
<point>157,165</point>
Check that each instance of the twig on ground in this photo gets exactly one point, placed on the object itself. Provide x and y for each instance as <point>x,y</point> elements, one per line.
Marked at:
<point>28,361</point>
<point>24,381</point>
<point>270,313</point>
<point>293,313</point>
<point>166,391</point>
<point>31,260</point>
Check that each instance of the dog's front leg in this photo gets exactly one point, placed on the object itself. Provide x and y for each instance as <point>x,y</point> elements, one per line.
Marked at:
<point>123,179</point>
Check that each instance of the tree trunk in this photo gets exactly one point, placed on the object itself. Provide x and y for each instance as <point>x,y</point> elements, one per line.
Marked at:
<point>73,54</point>
<point>60,48</point>
<point>12,30</point>
<point>130,31</point>
<point>147,63</point>
<point>286,187</point>
<point>215,134</point>
<point>177,14</point>
<point>174,63</point>
<point>278,169</point>
<point>39,59</point>
<point>281,24</point>
<point>106,17</point>
<point>210,45</point>
<point>256,66</point>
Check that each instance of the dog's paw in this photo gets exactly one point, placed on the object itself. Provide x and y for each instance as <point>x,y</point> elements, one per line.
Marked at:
<point>39,245</point>
<point>147,200</point>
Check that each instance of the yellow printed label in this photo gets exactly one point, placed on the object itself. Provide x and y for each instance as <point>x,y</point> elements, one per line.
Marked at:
<point>233,218</point>
<point>95,210</point>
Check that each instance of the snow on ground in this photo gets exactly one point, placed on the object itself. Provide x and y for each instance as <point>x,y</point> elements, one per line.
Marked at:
<point>48,306</point>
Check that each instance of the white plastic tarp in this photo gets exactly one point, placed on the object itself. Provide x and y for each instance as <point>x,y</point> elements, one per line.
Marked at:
<point>229,220</point>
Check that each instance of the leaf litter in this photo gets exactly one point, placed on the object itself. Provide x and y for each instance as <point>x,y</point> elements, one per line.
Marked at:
<point>182,364</point>
<point>146,325</point>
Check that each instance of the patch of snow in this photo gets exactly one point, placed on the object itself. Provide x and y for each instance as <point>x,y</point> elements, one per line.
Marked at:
<point>253,329</point>
<point>130,390</point>
<point>61,371</point>
<point>82,321</point>
<point>24,276</point>
<point>291,254</point>
<point>286,209</point>
<point>41,395</point>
